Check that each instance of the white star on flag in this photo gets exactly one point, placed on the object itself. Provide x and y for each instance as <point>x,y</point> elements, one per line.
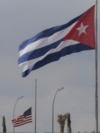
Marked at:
<point>82,29</point>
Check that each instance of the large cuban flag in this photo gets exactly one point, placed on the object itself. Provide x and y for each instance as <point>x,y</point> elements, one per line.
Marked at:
<point>51,44</point>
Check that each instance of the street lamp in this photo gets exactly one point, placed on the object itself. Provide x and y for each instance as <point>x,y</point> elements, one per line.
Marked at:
<point>53,108</point>
<point>15,108</point>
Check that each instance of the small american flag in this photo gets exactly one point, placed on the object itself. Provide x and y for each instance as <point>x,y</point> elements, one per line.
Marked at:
<point>25,118</point>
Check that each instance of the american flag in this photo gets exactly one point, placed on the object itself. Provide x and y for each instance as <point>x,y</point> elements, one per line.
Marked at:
<point>25,118</point>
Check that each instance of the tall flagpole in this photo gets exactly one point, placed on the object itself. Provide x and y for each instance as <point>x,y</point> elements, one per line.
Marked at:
<point>35,104</point>
<point>96,68</point>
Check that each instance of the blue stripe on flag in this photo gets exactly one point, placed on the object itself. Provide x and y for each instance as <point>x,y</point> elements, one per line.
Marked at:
<point>38,52</point>
<point>56,56</point>
<point>47,33</point>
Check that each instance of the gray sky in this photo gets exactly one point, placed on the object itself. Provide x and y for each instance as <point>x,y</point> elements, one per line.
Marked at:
<point>22,19</point>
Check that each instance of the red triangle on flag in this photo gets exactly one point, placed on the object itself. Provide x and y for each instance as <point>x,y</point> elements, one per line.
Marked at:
<point>84,29</point>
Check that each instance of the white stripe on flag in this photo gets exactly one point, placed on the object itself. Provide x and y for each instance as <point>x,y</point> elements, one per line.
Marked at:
<point>30,63</point>
<point>45,41</point>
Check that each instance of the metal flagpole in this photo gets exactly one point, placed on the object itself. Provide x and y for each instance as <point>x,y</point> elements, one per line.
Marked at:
<point>96,68</point>
<point>35,103</point>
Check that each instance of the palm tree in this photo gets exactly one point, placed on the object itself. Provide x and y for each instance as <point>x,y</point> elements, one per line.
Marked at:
<point>68,123</point>
<point>61,120</point>
<point>4,124</point>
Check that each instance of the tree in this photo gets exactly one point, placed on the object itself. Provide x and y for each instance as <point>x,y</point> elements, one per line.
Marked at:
<point>68,123</point>
<point>4,124</point>
<point>61,120</point>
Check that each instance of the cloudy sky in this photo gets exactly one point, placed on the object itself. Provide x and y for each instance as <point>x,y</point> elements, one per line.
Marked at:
<point>22,19</point>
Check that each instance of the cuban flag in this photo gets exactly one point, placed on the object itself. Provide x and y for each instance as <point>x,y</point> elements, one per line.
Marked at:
<point>53,43</point>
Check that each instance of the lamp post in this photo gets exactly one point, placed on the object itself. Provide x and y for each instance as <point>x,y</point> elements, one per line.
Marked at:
<point>53,108</point>
<point>15,108</point>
